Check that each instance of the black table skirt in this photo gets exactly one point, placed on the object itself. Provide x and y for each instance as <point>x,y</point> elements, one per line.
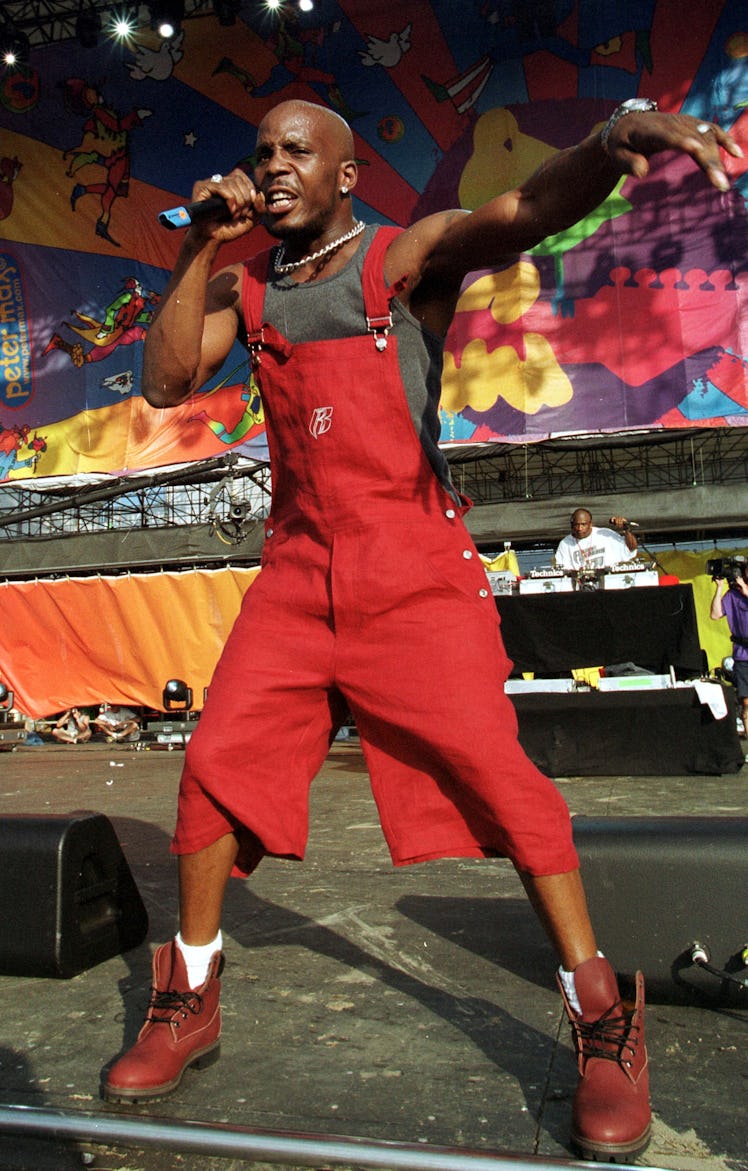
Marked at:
<point>651,626</point>
<point>647,733</point>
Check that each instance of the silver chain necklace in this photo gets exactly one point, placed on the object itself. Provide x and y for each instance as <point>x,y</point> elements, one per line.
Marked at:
<point>291,266</point>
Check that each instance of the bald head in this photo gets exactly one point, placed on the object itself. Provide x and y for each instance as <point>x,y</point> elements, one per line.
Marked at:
<point>580,523</point>
<point>316,120</point>
<point>305,169</point>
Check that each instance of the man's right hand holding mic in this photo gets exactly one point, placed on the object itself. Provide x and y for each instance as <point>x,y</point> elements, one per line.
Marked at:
<point>625,527</point>
<point>228,200</point>
<point>181,351</point>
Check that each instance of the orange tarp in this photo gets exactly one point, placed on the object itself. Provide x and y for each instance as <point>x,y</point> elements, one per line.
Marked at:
<point>79,641</point>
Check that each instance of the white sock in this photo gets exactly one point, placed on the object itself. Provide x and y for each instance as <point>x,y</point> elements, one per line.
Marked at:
<point>570,988</point>
<point>197,959</point>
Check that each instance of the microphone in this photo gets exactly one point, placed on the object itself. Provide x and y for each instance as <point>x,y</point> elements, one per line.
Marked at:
<point>212,208</point>
<point>630,524</point>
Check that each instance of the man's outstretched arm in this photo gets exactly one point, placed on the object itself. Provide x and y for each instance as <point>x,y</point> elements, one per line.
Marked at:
<point>564,189</point>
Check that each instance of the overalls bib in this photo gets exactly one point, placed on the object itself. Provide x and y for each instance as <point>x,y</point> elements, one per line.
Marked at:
<point>372,598</point>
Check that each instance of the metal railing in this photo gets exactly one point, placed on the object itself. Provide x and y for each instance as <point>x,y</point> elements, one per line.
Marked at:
<point>239,1142</point>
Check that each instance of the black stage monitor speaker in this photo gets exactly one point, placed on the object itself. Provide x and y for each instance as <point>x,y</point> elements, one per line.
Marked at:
<point>68,900</point>
<point>659,886</point>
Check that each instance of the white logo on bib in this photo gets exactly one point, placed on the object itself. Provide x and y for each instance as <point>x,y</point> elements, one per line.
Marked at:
<point>320,422</point>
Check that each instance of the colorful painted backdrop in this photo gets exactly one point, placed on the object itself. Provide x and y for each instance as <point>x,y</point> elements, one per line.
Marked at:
<point>635,318</point>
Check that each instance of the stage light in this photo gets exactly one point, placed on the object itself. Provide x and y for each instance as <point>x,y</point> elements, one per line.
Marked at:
<point>6,698</point>
<point>88,27</point>
<point>227,11</point>
<point>15,48</point>
<point>166,17</point>
<point>122,25</point>
<point>176,696</point>
<point>306,5</point>
<point>273,5</point>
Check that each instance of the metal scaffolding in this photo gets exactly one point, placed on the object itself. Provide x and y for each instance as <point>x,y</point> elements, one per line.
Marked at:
<point>521,486</point>
<point>46,22</point>
<point>216,491</point>
<point>602,465</point>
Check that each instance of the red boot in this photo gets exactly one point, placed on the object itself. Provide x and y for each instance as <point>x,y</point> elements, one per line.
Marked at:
<point>611,1115</point>
<point>182,1028</point>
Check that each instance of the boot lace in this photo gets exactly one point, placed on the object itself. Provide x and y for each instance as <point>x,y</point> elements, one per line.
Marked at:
<point>613,1037</point>
<point>169,1002</point>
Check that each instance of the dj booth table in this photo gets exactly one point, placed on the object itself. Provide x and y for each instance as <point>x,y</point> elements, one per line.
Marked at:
<point>629,733</point>
<point>651,626</point>
<point>635,733</point>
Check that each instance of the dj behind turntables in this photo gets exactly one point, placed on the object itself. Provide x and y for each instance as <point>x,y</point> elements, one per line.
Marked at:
<point>588,547</point>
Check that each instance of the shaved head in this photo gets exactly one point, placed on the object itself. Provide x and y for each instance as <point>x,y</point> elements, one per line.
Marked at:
<point>580,523</point>
<point>319,118</point>
<point>305,168</point>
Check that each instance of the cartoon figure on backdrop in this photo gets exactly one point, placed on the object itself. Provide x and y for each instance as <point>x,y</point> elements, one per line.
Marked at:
<point>294,47</point>
<point>123,322</point>
<point>9,171</point>
<point>252,416</point>
<point>123,382</point>
<point>387,53</point>
<point>12,442</point>
<point>157,64</point>
<point>465,88</point>
<point>537,30</point>
<point>19,88</point>
<point>105,143</point>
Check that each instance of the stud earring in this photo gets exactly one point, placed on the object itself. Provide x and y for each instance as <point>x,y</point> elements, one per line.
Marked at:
<point>343,190</point>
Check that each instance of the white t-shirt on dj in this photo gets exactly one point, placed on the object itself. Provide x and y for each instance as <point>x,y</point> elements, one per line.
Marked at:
<point>603,547</point>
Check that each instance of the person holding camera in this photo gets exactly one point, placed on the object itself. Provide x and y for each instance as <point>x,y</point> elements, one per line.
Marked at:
<point>72,727</point>
<point>730,601</point>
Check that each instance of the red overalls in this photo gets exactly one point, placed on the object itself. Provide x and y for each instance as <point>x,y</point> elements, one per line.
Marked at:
<point>372,597</point>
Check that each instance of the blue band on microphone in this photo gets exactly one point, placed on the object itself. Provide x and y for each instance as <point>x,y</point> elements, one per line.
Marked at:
<point>175,217</point>
<point>214,207</point>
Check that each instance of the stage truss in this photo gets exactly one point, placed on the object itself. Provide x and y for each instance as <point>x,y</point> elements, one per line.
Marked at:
<point>230,494</point>
<point>589,466</point>
<point>45,22</point>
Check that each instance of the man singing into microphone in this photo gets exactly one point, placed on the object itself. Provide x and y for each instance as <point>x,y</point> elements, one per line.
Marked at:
<point>372,597</point>
<point>588,547</point>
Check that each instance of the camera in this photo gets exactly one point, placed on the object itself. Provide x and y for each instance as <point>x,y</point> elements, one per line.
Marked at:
<point>726,568</point>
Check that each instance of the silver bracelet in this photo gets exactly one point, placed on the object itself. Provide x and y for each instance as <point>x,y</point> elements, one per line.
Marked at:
<point>632,106</point>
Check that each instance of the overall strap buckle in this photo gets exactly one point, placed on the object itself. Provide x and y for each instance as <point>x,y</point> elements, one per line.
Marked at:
<point>255,342</point>
<point>380,327</point>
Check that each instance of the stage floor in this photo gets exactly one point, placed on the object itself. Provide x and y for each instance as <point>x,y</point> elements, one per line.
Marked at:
<point>413,1005</point>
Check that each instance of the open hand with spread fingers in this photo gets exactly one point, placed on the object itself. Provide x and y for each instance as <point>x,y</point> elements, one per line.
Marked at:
<point>637,130</point>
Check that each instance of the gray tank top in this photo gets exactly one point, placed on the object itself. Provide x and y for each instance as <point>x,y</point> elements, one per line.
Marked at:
<point>333,307</point>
